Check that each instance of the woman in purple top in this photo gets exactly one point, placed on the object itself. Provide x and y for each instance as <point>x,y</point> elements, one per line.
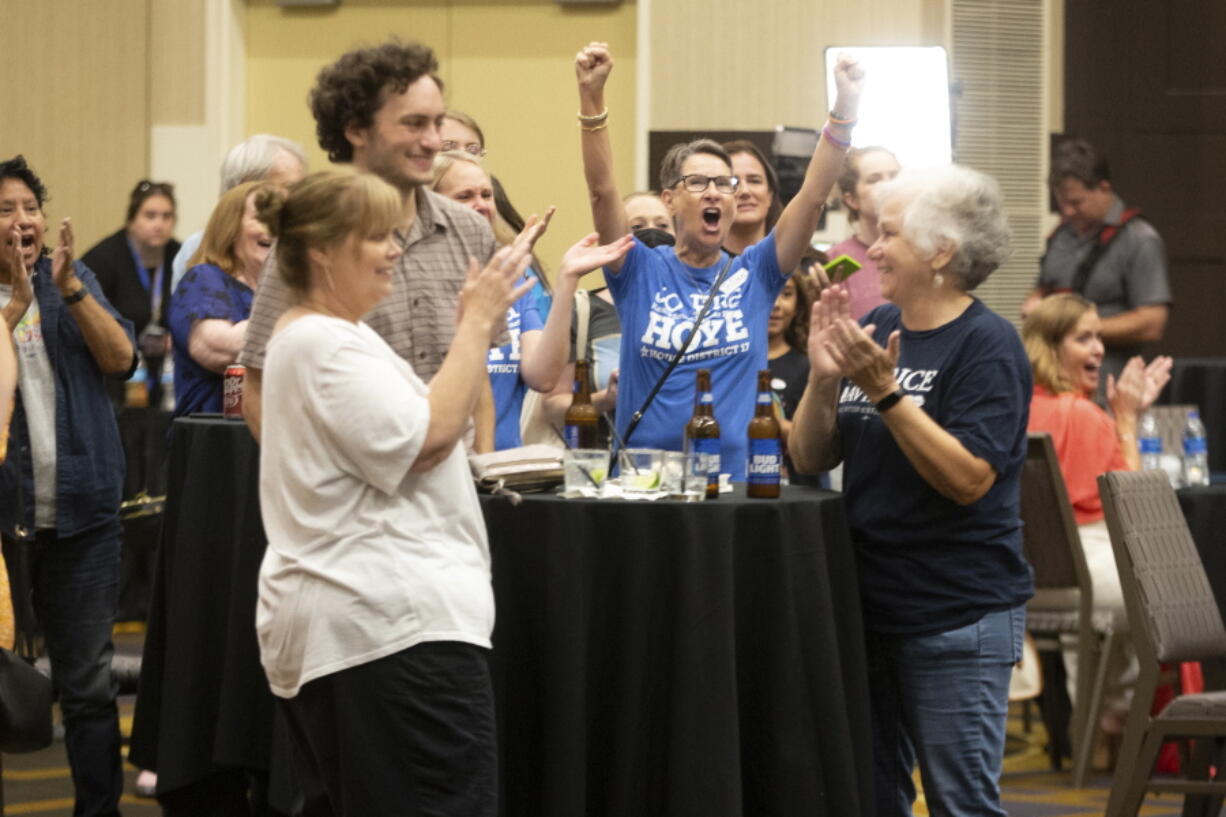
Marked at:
<point>208,316</point>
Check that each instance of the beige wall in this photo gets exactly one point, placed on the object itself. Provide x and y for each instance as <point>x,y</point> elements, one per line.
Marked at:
<point>508,64</point>
<point>76,103</point>
<point>732,65</point>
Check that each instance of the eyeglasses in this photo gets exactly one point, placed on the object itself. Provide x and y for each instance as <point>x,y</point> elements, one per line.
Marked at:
<point>698,183</point>
<point>472,147</point>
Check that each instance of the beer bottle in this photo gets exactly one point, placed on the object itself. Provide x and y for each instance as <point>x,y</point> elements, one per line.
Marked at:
<point>765,448</point>
<point>582,423</point>
<point>702,433</point>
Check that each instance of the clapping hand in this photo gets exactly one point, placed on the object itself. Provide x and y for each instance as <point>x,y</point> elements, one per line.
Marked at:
<point>488,293</point>
<point>1138,385</point>
<point>838,346</point>
<point>62,271</point>
<point>19,276</point>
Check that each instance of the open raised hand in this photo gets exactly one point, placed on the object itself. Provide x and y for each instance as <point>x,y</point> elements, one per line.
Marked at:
<point>588,254</point>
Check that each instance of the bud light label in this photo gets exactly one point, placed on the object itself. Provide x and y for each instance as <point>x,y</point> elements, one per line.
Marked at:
<point>571,435</point>
<point>764,398</point>
<point>708,458</point>
<point>706,398</point>
<point>765,462</point>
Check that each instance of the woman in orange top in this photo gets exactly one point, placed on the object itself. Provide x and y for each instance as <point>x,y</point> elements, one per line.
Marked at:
<point>1063,339</point>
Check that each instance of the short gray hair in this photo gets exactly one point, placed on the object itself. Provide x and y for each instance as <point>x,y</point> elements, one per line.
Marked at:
<point>953,205</point>
<point>251,159</point>
<point>670,166</point>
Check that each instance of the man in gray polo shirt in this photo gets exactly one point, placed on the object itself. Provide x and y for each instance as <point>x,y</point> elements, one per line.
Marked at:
<point>380,109</point>
<point>1106,253</point>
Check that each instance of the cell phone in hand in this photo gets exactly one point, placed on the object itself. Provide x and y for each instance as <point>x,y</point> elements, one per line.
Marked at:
<point>841,268</point>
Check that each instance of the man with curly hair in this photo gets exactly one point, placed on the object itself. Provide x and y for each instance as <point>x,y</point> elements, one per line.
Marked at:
<point>380,109</point>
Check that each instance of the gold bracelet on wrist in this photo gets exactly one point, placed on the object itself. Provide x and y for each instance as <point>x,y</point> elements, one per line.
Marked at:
<point>601,126</point>
<point>591,120</point>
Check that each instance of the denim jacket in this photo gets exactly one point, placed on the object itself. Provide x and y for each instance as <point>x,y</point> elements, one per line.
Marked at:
<point>89,455</point>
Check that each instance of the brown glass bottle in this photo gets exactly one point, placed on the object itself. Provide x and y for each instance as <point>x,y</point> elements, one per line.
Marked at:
<point>702,433</point>
<point>582,423</point>
<point>765,465</point>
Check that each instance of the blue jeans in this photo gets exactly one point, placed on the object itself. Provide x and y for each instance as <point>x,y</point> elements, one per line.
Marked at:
<point>76,587</point>
<point>941,699</point>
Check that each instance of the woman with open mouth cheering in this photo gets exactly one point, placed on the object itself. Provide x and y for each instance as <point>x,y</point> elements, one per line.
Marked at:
<point>659,292</point>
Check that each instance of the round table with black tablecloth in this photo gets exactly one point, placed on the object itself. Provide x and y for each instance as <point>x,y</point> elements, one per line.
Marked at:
<point>204,712</point>
<point>1205,510</point>
<point>649,658</point>
<point>679,659</point>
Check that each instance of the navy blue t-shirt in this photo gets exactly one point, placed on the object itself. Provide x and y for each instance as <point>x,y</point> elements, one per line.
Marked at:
<point>658,297</point>
<point>926,563</point>
<point>205,292</point>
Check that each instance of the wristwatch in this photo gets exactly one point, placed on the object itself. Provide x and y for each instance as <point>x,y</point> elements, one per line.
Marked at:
<point>76,297</point>
<point>889,401</point>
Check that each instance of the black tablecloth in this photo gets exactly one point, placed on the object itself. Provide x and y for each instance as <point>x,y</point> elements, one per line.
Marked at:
<point>672,659</point>
<point>1205,509</point>
<point>143,434</point>
<point>203,703</point>
<point>1201,381</point>
<point>649,659</point>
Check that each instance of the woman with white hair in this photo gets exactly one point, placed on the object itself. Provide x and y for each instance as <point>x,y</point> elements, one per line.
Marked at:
<point>925,403</point>
<point>258,158</point>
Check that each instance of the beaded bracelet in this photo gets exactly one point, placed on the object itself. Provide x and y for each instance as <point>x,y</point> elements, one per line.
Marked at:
<point>600,117</point>
<point>835,119</point>
<point>834,140</point>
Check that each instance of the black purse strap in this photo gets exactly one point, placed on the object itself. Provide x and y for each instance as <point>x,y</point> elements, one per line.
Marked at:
<point>17,558</point>
<point>637,417</point>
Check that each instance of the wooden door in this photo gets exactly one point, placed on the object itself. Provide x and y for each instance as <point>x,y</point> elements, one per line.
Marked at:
<point>1145,82</point>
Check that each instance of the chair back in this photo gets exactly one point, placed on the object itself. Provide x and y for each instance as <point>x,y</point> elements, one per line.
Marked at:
<point>1174,614</point>
<point>1049,530</point>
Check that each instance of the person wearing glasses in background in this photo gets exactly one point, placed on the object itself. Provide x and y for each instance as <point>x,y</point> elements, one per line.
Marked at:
<point>659,291</point>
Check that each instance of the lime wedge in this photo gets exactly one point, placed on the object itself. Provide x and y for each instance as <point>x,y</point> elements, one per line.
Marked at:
<point>598,475</point>
<point>646,480</point>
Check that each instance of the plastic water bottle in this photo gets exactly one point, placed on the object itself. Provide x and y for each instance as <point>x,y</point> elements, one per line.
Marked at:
<point>1195,452</point>
<point>1149,441</point>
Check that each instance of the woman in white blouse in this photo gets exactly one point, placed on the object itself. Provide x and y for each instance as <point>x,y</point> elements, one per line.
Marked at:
<point>375,603</point>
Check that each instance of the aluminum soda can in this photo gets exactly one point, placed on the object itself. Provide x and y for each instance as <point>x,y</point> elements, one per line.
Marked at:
<point>232,393</point>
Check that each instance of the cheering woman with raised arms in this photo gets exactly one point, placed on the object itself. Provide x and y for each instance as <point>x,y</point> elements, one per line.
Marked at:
<point>659,292</point>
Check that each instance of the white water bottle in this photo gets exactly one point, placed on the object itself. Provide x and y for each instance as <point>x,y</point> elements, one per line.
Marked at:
<point>1149,442</point>
<point>1195,452</point>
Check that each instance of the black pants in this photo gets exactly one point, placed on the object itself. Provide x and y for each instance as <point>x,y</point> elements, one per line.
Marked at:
<point>409,735</point>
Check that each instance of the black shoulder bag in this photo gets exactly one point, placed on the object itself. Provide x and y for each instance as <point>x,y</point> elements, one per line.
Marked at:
<point>25,693</point>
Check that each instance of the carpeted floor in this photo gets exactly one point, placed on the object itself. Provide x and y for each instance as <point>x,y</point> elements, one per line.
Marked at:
<point>39,783</point>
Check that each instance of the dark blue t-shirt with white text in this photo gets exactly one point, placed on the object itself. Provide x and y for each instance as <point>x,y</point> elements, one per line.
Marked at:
<point>658,298</point>
<point>926,563</point>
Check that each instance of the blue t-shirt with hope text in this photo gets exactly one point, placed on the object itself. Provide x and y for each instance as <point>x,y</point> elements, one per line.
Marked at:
<point>658,298</point>
<point>926,563</point>
<point>502,363</point>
